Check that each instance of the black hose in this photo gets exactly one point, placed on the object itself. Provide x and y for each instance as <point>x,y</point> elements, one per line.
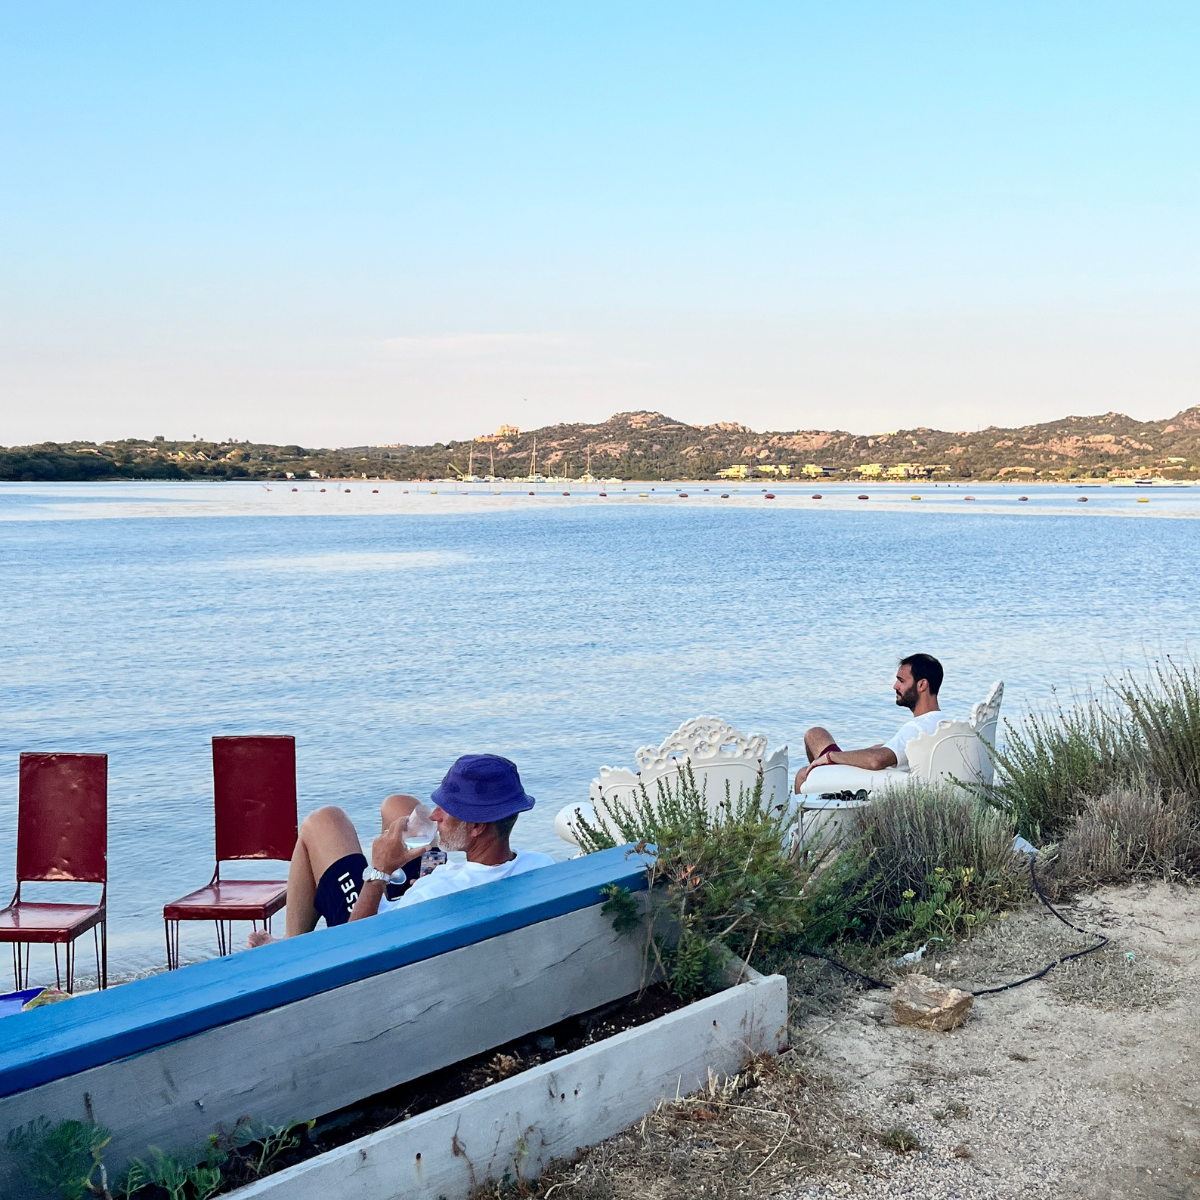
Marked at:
<point>871,981</point>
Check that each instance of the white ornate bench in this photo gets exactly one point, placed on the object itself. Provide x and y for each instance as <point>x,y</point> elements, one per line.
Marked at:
<point>718,753</point>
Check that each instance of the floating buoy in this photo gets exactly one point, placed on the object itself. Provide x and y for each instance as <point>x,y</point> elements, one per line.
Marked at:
<point>968,497</point>
<point>769,496</point>
<point>433,492</point>
<point>295,489</point>
<point>322,489</point>
<point>864,497</point>
<point>406,491</point>
<point>1143,499</point>
<point>374,491</point>
<point>603,495</point>
<point>1082,499</point>
<point>914,497</point>
<point>1022,497</point>
<point>683,495</point>
<point>643,495</point>
<point>706,489</point>
<point>532,493</point>
<point>724,495</point>
<point>816,495</point>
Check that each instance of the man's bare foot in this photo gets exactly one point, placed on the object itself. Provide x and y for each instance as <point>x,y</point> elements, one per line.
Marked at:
<point>259,937</point>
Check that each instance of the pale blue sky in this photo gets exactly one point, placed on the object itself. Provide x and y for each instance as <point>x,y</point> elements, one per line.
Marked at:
<point>359,222</point>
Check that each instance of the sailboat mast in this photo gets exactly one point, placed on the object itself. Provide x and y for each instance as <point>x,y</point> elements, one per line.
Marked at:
<point>533,461</point>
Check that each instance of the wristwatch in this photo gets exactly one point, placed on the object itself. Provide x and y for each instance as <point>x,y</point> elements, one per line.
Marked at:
<point>374,875</point>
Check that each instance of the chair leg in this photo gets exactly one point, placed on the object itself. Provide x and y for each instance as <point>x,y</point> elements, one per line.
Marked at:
<point>57,976</point>
<point>221,938</point>
<point>16,953</point>
<point>25,984</point>
<point>104,954</point>
<point>70,956</point>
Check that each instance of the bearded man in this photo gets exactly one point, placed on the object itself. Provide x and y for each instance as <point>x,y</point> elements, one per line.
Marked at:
<point>918,681</point>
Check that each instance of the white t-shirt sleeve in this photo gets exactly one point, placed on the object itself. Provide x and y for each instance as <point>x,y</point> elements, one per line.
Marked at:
<point>926,723</point>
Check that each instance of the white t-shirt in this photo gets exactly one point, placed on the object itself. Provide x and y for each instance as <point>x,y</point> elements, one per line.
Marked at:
<point>453,877</point>
<point>926,723</point>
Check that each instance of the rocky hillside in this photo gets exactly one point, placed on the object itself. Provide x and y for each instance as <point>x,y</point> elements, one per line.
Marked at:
<point>649,445</point>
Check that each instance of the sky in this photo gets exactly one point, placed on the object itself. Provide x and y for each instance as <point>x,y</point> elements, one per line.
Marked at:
<point>350,223</point>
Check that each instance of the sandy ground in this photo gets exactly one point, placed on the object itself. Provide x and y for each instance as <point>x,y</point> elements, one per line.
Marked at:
<point>1083,1084</point>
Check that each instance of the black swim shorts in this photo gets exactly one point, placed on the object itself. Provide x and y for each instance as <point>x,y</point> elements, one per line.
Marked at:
<point>341,883</point>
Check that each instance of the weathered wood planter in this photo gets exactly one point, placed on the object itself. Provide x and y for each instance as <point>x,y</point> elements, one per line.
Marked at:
<point>303,1027</point>
<point>518,1126</point>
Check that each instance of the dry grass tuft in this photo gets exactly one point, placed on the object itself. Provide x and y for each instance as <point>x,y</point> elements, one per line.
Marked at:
<point>750,1135</point>
<point>1112,979</point>
<point>1128,833</point>
<point>900,1139</point>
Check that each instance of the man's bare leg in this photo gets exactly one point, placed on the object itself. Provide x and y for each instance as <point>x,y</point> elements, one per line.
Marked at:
<point>816,741</point>
<point>325,836</point>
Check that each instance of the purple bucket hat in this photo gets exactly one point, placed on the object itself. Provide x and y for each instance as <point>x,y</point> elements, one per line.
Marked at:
<point>482,787</point>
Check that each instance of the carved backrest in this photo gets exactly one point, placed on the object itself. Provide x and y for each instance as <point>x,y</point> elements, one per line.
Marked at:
<point>718,753</point>
<point>952,751</point>
<point>985,717</point>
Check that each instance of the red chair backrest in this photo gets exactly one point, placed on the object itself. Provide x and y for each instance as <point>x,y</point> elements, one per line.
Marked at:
<point>62,817</point>
<point>254,787</point>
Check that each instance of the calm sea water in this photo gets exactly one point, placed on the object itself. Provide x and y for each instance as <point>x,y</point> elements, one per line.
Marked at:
<point>392,630</point>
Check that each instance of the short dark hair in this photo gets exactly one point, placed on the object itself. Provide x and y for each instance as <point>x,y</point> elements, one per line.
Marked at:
<point>925,666</point>
<point>505,825</point>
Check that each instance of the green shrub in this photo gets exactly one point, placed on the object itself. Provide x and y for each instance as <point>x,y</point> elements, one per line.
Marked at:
<point>1048,763</point>
<point>721,881</point>
<point>64,1160</point>
<point>1164,711</point>
<point>921,862</point>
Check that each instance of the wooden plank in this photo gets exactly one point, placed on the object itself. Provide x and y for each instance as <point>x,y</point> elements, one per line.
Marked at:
<point>64,1039</point>
<point>315,1055</point>
<point>518,1126</point>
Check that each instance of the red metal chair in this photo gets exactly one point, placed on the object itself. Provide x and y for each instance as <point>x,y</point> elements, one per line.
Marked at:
<point>62,835</point>
<point>254,792</point>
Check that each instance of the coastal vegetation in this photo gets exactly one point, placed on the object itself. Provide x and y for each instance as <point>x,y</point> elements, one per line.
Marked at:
<point>651,446</point>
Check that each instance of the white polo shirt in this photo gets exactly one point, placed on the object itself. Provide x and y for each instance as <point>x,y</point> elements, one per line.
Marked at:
<point>453,877</point>
<point>926,723</point>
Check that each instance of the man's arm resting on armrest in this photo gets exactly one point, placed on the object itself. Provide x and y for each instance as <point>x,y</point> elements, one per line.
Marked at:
<point>874,758</point>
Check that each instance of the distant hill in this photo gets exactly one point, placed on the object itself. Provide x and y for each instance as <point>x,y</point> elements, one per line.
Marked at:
<point>649,445</point>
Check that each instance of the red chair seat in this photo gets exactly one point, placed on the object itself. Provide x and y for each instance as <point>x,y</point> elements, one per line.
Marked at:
<point>29,922</point>
<point>230,900</point>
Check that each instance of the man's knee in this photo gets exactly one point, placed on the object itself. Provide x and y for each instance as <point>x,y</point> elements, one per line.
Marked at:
<point>323,821</point>
<point>397,806</point>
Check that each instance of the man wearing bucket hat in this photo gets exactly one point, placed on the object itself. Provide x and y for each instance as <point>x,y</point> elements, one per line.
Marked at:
<point>478,803</point>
